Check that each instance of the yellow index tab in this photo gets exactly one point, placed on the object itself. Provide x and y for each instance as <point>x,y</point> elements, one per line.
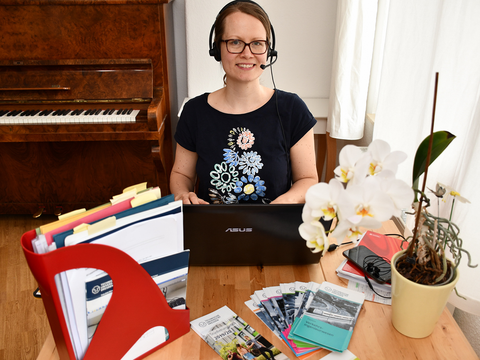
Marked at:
<point>157,192</point>
<point>137,187</point>
<point>124,196</point>
<point>80,228</point>
<point>143,199</point>
<point>102,225</point>
<point>71,213</point>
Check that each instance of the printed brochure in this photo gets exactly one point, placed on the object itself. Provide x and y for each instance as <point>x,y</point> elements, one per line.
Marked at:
<point>229,335</point>
<point>330,318</point>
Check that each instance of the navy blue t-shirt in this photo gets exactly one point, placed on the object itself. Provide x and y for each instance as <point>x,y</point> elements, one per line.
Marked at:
<point>243,157</point>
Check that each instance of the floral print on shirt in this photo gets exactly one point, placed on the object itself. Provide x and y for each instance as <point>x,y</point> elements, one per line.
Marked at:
<point>238,172</point>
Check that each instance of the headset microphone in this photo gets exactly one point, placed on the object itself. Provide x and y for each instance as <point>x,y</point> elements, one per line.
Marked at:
<point>263,66</point>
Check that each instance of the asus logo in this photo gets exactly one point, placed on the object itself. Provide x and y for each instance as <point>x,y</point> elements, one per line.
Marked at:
<point>239,230</point>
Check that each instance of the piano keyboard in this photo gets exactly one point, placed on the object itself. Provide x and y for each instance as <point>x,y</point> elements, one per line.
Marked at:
<point>67,116</point>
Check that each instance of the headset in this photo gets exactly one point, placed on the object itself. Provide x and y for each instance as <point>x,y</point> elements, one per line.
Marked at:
<point>215,50</point>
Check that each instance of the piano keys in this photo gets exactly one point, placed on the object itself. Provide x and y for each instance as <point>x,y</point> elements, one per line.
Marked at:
<point>67,116</point>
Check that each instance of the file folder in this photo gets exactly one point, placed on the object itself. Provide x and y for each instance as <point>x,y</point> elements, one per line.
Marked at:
<point>129,314</point>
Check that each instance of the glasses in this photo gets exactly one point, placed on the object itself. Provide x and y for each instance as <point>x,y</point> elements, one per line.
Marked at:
<point>257,47</point>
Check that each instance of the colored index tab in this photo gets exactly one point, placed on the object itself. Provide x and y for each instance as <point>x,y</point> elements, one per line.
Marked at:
<point>80,228</point>
<point>102,225</point>
<point>137,187</point>
<point>124,196</point>
<point>143,199</point>
<point>71,213</point>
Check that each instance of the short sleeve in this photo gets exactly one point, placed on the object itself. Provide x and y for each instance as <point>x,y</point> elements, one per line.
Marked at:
<point>187,126</point>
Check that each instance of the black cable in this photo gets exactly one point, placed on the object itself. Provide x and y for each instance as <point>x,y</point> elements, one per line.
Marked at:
<point>287,151</point>
<point>333,247</point>
<point>371,288</point>
<point>403,237</point>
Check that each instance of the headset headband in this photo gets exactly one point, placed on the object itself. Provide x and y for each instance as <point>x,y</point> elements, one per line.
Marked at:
<point>215,51</point>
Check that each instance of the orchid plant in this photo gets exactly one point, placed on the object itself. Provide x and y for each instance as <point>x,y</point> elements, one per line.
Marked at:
<point>363,194</point>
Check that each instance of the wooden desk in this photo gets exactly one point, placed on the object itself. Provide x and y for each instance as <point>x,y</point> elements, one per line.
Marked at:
<point>373,337</point>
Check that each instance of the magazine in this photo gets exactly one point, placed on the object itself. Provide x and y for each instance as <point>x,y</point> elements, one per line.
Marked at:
<point>258,309</point>
<point>288,294</point>
<point>300,288</point>
<point>229,335</point>
<point>274,314</point>
<point>330,318</point>
<point>275,296</point>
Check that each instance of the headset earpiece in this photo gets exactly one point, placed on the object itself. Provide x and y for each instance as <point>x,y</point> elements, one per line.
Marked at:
<point>215,52</point>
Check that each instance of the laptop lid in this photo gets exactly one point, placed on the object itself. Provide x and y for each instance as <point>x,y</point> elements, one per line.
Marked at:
<point>253,234</point>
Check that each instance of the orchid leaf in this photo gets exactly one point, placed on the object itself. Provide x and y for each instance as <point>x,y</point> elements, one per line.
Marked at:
<point>441,139</point>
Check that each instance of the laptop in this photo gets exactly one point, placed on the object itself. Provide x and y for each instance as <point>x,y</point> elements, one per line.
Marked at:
<point>253,234</point>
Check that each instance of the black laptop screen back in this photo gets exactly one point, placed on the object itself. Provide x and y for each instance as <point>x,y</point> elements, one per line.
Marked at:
<point>245,235</point>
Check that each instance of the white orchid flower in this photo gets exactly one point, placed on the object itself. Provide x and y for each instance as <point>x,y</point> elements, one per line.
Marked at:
<point>350,165</point>
<point>370,201</point>
<point>399,192</point>
<point>314,234</point>
<point>382,158</point>
<point>346,229</point>
<point>324,199</point>
<point>455,194</point>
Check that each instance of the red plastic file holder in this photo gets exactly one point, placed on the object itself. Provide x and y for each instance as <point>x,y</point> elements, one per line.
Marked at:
<point>137,304</point>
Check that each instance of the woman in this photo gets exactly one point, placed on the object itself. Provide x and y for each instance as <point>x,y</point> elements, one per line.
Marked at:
<point>233,356</point>
<point>245,143</point>
<point>244,353</point>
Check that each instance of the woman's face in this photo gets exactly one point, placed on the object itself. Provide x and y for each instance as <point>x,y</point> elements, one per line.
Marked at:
<point>243,67</point>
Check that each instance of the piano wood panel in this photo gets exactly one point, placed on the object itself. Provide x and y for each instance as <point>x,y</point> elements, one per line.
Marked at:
<point>69,175</point>
<point>76,80</point>
<point>97,31</point>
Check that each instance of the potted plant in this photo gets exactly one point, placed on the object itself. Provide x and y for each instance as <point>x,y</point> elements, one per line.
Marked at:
<point>363,194</point>
<point>423,276</point>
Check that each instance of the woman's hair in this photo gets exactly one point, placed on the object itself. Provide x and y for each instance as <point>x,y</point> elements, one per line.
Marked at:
<point>245,7</point>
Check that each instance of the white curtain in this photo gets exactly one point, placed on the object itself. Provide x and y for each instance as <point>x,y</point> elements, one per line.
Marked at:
<point>422,38</point>
<point>352,59</point>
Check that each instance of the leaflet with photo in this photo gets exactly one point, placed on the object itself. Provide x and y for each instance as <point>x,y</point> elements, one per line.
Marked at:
<point>274,315</point>
<point>226,333</point>
<point>288,294</point>
<point>300,288</point>
<point>274,294</point>
<point>330,318</point>
<point>312,288</point>
<point>262,315</point>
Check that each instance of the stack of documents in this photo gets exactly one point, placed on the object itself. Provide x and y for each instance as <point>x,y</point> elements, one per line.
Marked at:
<point>309,316</point>
<point>385,247</point>
<point>148,228</point>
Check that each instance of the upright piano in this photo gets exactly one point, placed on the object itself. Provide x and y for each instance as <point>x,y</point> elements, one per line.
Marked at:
<point>84,102</point>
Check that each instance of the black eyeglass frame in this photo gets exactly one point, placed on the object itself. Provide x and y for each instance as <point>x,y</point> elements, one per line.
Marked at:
<point>245,45</point>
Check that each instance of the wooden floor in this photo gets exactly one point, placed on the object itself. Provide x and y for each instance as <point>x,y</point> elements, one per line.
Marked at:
<point>23,322</point>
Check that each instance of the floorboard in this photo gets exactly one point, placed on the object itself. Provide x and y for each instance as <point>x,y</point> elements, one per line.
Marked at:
<point>23,322</point>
